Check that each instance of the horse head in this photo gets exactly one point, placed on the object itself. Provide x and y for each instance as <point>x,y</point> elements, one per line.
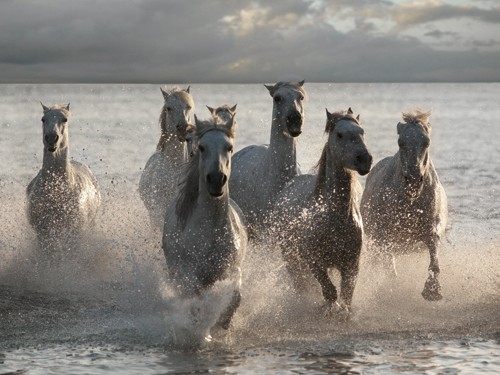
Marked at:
<point>224,112</point>
<point>287,108</point>
<point>414,141</point>
<point>55,127</point>
<point>215,149</point>
<point>177,109</point>
<point>346,141</point>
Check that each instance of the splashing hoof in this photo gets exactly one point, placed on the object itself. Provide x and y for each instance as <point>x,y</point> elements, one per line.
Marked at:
<point>432,290</point>
<point>336,311</point>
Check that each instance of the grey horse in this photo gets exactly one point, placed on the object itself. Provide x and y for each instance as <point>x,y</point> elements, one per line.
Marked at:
<point>64,196</point>
<point>259,173</point>
<point>159,180</point>
<point>404,203</point>
<point>320,223</point>
<point>205,236</point>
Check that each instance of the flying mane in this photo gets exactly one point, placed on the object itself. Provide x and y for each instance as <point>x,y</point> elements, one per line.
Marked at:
<point>189,185</point>
<point>418,116</point>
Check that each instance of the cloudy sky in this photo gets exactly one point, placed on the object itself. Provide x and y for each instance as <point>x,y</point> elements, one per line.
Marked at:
<point>196,41</point>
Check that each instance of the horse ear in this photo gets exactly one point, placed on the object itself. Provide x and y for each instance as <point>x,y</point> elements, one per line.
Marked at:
<point>301,83</point>
<point>196,121</point>
<point>231,126</point>
<point>212,110</point>
<point>67,107</point>
<point>400,127</point>
<point>188,88</point>
<point>45,108</point>
<point>357,117</point>
<point>330,123</point>
<point>190,128</point>
<point>233,108</point>
<point>349,111</point>
<point>271,89</point>
<point>164,93</point>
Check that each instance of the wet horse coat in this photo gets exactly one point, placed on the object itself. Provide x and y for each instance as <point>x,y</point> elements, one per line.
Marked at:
<point>64,196</point>
<point>320,223</point>
<point>259,173</point>
<point>159,180</point>
<point>204,237</point>
<point>404,202</point>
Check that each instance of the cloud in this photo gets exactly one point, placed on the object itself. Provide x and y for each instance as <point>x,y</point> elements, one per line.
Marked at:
<point>422,11</point>
<point>219,41</point>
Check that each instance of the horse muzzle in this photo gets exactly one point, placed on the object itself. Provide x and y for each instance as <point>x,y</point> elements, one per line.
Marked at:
<point>413,186</point>
<point>215,184</point>
<point>364,163</point>
<point>294,124</point>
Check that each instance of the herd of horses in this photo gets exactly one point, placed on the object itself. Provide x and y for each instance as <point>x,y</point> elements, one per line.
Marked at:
<point>209,203</point>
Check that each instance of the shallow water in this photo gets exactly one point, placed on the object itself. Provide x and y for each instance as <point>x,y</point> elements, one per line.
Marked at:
<point>108,310</point>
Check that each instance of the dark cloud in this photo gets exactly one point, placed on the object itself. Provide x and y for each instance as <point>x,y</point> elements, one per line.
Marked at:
<point>219,41</point>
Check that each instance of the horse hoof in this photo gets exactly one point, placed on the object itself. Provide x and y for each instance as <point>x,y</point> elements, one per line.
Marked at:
<point>432,290</point>
<point>337,311</point>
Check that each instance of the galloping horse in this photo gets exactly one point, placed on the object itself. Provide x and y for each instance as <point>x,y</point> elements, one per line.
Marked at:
<point>404,202</point>
<point>259,173</point>
<point>158,183</point>
<point>318,215</point>
<point>205,237</point>
<point>64,196</point>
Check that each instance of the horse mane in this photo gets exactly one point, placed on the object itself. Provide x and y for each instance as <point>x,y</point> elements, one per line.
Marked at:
<point>189,185</point>
<point>320,167</point>
<point>333,118</point>
<point>62,108</point>
<point>294,85</point>
<point>417,116</point>
<point>183,95</point>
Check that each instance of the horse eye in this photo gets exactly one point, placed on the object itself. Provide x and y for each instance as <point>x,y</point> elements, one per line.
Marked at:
<point>302,97</point>
<point>201,148</point>
<point>277,98</point>
<point>64,120</point>
<point>230,149</point>
<point>339,136</point>
<point>169,109</point>
<point>43,120</point>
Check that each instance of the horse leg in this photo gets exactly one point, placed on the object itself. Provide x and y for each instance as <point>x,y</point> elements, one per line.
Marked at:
<point>349,277</point>
<point>295,268</point>
<point>227,314</point>
<point>432,288</point>
<point>328,289</point>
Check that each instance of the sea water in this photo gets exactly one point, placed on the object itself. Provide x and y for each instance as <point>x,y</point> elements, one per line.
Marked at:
<point>107,309</point>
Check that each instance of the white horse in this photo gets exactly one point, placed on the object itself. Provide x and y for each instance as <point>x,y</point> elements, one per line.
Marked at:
<point>404,202</point>
<point>158,183</point>
<point>204,237</point>
<point>64,196</point>
<point>319,220</point>
<point>259,173</point>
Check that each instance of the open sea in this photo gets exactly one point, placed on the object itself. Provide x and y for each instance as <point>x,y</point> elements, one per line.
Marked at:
<point>107,309</point>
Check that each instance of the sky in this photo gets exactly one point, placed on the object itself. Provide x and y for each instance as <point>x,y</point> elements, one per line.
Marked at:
<point>243,41</point>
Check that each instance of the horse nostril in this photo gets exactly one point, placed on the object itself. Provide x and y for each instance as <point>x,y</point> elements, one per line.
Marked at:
<point>209,179</point>
<point>56,138</point>
<point>224,179</point>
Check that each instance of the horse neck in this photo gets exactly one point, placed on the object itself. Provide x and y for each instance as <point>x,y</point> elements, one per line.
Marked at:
<point>170,147</point>
<point>57,163</point>
<point>282,152</point>
<point>215,210</point>
<point>336,185</point>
